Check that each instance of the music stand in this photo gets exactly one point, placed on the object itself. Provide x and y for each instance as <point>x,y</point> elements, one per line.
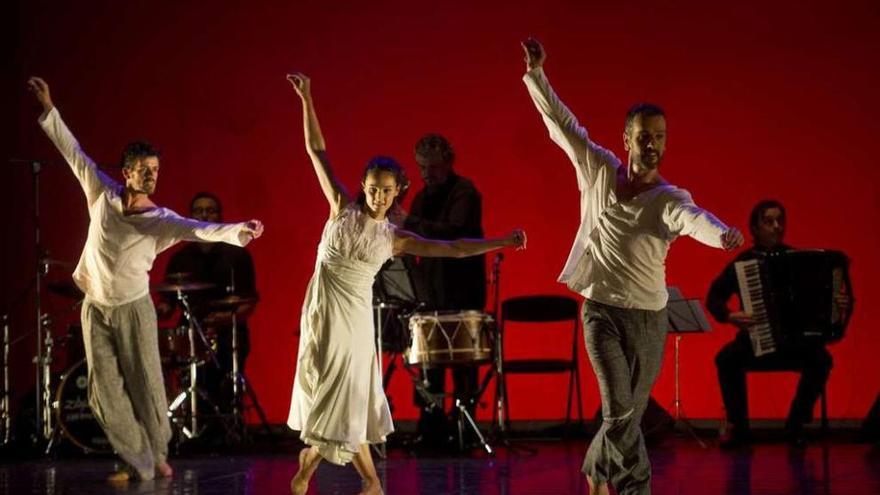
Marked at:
<point>685,316</point>
<point>394,294</point>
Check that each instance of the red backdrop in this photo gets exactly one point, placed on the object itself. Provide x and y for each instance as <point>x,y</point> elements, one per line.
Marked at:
<point>763,100</point>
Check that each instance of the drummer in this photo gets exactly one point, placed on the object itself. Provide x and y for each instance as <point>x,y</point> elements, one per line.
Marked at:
<point>224,266</point>
<point>448,207</point>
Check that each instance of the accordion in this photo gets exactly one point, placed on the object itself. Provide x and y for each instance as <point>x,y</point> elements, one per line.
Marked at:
<point>795,296</point>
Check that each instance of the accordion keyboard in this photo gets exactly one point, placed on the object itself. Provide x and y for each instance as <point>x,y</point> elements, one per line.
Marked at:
<point>751,293</point>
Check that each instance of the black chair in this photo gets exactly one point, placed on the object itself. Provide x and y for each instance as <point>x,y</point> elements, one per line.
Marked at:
<point>823,404</point>
<point>535,310</point>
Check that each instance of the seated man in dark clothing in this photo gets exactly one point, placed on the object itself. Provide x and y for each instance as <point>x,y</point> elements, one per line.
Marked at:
<point>231,270</point>
<point>767,225</point>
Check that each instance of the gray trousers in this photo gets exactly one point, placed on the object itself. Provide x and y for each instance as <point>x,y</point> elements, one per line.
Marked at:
<point>126,389</point>
<point>626,350</point>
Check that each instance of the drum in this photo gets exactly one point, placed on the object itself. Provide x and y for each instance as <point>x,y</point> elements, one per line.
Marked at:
<point>174,346</point>
<point>449,338</point>
<point>73,413</point>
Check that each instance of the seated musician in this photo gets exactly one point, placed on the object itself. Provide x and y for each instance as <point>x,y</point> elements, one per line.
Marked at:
<point>220,266</point>
<point>767,225</point>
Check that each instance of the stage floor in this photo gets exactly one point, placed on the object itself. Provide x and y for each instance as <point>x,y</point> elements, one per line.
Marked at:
<point>680,467</point>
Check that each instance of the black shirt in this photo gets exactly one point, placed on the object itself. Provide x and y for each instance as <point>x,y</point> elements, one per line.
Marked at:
<point>216,266</point>
<point>726,284</point>
<point>451,210</point>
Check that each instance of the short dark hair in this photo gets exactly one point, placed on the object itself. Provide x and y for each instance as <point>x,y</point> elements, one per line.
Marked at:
<point>136,151</point>
<point>390,165</point>
<point>645,110</point>
<point>205,194</point>
<point>435,148</point>
<point>758,212</point>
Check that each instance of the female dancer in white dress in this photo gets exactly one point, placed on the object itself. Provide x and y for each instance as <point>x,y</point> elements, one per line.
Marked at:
<point>338,404</point>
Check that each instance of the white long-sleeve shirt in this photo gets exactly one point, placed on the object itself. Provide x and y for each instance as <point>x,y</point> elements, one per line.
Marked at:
<point>619,254</point>
<point>114,266</point>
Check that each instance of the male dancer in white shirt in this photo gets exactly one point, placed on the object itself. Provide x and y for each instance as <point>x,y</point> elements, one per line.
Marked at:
<point>126,232</point>
<point>629,217</point>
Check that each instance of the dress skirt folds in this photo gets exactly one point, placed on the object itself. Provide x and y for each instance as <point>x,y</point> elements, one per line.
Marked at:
<point>338,401</point>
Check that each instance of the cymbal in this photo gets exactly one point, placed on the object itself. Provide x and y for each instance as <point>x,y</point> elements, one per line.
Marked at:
<point>183,287</point>
<point>65,288</point>
<point>230,302</point>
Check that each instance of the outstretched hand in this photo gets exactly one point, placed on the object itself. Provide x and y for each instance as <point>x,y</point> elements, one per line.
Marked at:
<point>301,83</point>
<point>250,231</point>
<point>40,89</point>
<point>534,53</point>
<point>732,238</point>
<point>518,239</point>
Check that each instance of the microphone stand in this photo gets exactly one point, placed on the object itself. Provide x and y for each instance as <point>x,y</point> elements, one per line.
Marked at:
<point>42,359</point>
<point>500,382</point>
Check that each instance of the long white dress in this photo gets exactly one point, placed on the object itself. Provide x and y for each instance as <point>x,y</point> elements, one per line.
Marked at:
<point>338,402</point>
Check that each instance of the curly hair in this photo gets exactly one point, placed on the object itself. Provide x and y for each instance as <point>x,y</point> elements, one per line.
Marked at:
<point>434,148</point>
<point>136,151</point>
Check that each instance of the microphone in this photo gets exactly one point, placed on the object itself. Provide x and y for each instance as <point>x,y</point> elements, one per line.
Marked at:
<point>24,160</point>
<point>36,165</point>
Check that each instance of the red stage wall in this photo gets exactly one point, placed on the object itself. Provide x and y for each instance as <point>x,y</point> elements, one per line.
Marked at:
<point>764,99</point>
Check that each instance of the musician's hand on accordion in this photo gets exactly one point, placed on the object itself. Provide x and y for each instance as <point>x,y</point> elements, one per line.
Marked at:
<point>742,319</point>
<point>842,300</point>
<point>732,238</point>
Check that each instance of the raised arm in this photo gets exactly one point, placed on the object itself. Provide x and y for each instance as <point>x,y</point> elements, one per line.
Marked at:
<point>564,128</point>
<point>333,190</point>
<point>91,178</point>
<point>406,242</point>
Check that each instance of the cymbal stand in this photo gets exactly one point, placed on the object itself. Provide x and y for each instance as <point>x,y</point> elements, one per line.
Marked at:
<point>192,392</point>
<point>241,388</point>
<point>240,383</point>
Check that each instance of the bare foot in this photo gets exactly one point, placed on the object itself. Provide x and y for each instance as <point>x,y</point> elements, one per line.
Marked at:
<point>119,477</point>
<point>601,489</point>
<point>298,485</point>
<point>164,470</point>
<point>373,487</point>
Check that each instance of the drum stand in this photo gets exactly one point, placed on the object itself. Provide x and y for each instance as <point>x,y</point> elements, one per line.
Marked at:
<point>192,392</point>
<point>435,401</point>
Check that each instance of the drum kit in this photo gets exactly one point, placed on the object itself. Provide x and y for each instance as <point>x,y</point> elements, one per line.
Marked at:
<point>436,339</point>
<point>186,350</point>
